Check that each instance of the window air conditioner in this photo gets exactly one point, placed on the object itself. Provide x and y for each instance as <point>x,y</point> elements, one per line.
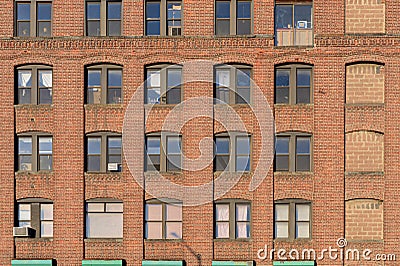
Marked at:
<point>174,30</point>
<point>23,231</point>
<point>113,167</point>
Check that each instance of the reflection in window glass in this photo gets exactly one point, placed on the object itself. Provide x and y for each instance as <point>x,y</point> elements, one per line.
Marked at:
<point>105,222</point>
<point>94,154</point>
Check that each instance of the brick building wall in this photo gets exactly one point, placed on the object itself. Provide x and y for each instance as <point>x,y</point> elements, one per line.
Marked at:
<point>351,101</point>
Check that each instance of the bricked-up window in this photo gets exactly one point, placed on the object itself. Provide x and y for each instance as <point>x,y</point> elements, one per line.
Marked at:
<point>35,152</point>
<point>232,152</point>
<point>232,219</point>
<point>163,84</point>
<point>164,152</point>
<point>104,218</point>
<point>104,84</point>
<point>233,17</point>
<point>232,84</point>
<point>34,85</point>
<point>33,18</point>
<point>293,152</point>
<point>163,220</point>
<point>292,219</point>
<point>104,152</point>
<point>293,24</point>
<point>103,18</point>
<point>163,18</point>
<point>36,214</point>
<point>293,84</point>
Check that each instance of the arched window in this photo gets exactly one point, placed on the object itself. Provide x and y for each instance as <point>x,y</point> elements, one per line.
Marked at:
<point>35,152</point>
<point>34,84</point>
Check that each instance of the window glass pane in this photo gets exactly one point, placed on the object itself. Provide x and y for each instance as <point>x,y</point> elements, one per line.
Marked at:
<point>243,96</point>
<point>153,145</point>
<point>25,78</point>
<point>282,78</point>
<point>153,212</point>
<point>282,163</point>
<point>24,212</point>
<point>222,94</point>
<point>303,163</point>
<point>23,11</point>
<point>302,212</point>
<point>174,77</point>
<point>93,28</point>
<point>94,145</point>
<point>244,9</point>
<point>284,16</point>
<point>242,212</point>
<point>223,9</point>
<point>281,229</point>
<point>104,225</point>
<point>45,145</point>
<point>25,145</point>
<point>243,77</point>
<point>45,162</point>
<point>114,96</point>
<point>303,77</point>
<point>24,96</point>
<point>114,28</point>
<point>282,95</point>
<point>25,163</point>
<point>174,212</point>
<point>114,207</point>
<point>303,95</point>
<point>173,230</point>
<point>242,230</point>
<point>153,163</point>
<point>302,145</point>
<point>46,229</point>
<point>46,211</point>
<point>153,27</point>
<point>174,10</point>
<point>44,29</point>
<point>45,78</point>
<point>282,145</point>
<point>222,145</point>
<point>93,10</point>
<point>243,145</point>
<point>113,10</point>
<point>222,230</point>
<point>45,96</point>
<point>114,78</point>
<point>282,212</point>
<point>174,96</point>
<point>93,163</point>
<point>114,145</point>
<point>153,230</point>
<point>44,11</point>
<point>152,10</point>
<point>95,207</point>
<point>153,78</point>
<point>94,78</point>
<point>94,95</point>
<point>24,224</point>
<point>174,163</point>
<point>302,230</point>
<point>223,77</point>
<point>223,27</point>
<point>24,29</point>
<point>222,212</point>
<point>243,163</point>
<point>173,145</point>
<point>243,27</point>
<point>221,162</point>
<point>302,16</point>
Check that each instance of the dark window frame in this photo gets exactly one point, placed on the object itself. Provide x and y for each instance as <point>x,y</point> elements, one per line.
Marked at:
<point>103,68</point>
<point>233,88</point>
<point>232,218</point>
<point>35,211</point>
<point>34,21</point>
<point>35,156</point>
<point>233,155</point>
<point>293,153</point>
<point>293,68</point>
<point>292,222</point>
<point>104,19</point>
<point>164,88</point>
<point>233,19</point>
<point>104,160</point>
<point>163,137</point>
<point>163,19</point>
<point>35,87</point>
<point>164,220</point>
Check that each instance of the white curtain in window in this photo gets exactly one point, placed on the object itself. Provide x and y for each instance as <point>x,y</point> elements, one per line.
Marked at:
<point>24,78</point>
<point>222,230</point>
<point>242,230</point>
<point>242,212</point>
<point>223,78</point>
<point>222,212</point>
<point>46,79</point>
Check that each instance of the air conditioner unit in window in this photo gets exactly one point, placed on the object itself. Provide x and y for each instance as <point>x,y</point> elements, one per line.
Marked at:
<point>23,231</point>
<point>113,167</point>
<point>174,30</point>
<point>302,24</point>
<point>26,167</point>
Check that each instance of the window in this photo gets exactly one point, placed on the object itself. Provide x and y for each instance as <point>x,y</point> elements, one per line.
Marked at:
<point>104,219</point>
<point>163,84</point>
<point>232,152</point>
<point>35,152</point>
<point>104,153</point>
<point>104,84</point>
<point>292,219</point>
<point>163,220</point>
<point>37,215</point>
<point>293,153</point>
<point>293,24</point>
<point>232,219</point>
<point>232,84</point>
<point>163,18</point>
<point>163,152</point>
<point>34,85</point>
<point>103,18</point>
<point>293,84</point>
<point>233,17</point>
<point>33,18</point>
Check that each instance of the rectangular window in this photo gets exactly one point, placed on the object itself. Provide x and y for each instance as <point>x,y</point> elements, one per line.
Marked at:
<point>35,153</point>
<point>35,85</point>
<point>45,153</point>
<point>94,154</point>
<point>232,85</point>
<point>153,148</point>
<point>292,220</point>
<point>293,24</point>
<point>33,18</point>
<point>222,221</point>
<point>25,153</point>
<point>104,220</point>
<point>163,153</point>
<point>243,154</point>
<point>163,220</point>
<point>104,153</point>
<point>233,17</point>
<point>38,216</point>
<point>46,220</point>
<point>293,153</point>
<point>174,154</point>
<point>232,152</point>
<point>163,18</point>
<point>222,152</point>
<point>103,18</point>
<point>104,85</point>
<point>232,220</point>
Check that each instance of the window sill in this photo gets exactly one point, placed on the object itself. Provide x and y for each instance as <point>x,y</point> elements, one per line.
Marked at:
<point>294,174</point>
<point>25,173</point>
<point>158,105</point>
<point>163,173</point>
<point>109,240</point>
<point>33,239</point>
<point>105,106</point>
<point>236,240</point>
<point>297,240</point>
<point>235,36</point>
<point>31,105</point>
<point>300,105</point>
<point>294,46</point>
<point>163,240</point>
